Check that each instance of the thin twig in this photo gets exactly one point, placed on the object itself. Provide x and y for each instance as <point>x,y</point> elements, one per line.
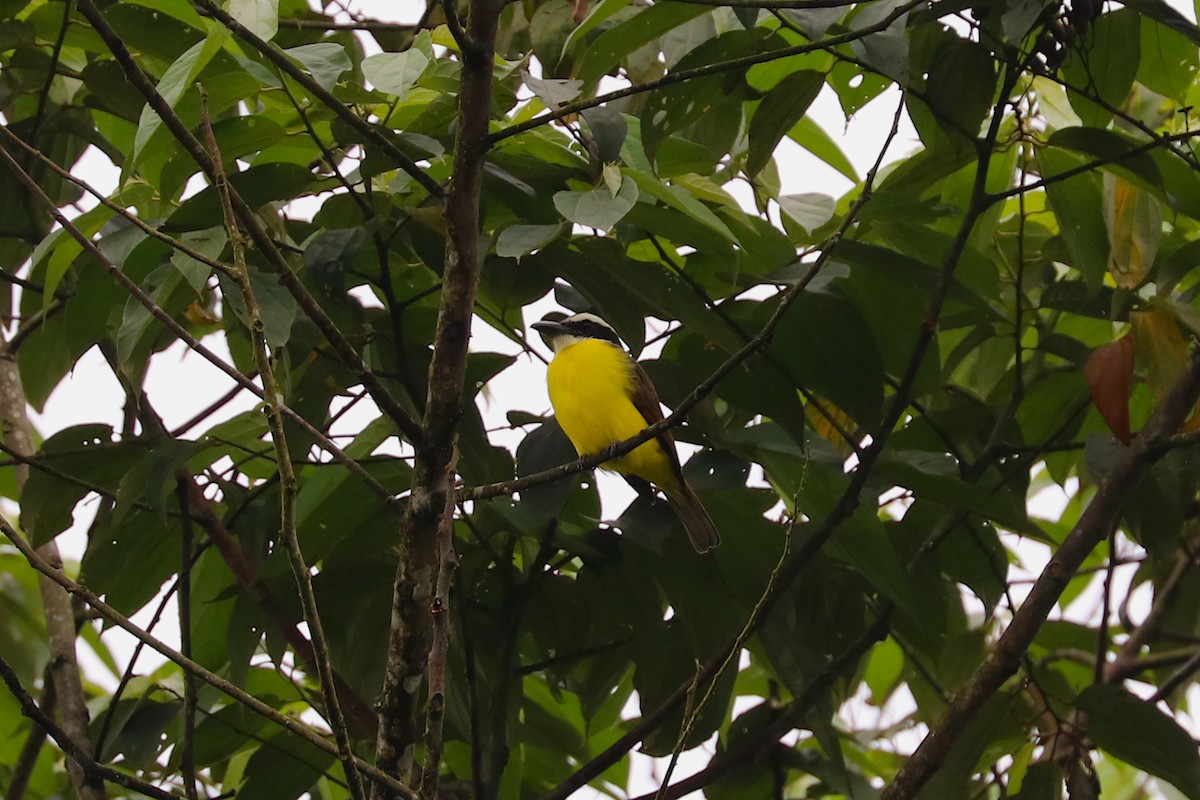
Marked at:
<point>436,705</point>
<point>249,219</point>
<point>693,713</point>
<point>77,754</point>
<point>187,759</point>
<point>672,78</point>
<point>194,344</point>
<point>1093,526</point>
<point>18,779</point>
<point>171,654</point>
<point>327,98</point>
<point>288,485</point>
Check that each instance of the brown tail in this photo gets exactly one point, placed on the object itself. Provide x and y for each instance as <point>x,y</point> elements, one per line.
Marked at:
<point>696,521</point>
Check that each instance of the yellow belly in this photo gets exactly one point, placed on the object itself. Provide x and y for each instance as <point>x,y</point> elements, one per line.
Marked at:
<point>590,384</point>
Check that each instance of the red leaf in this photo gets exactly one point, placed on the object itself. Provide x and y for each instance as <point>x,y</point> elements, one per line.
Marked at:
<point>1109,373</point>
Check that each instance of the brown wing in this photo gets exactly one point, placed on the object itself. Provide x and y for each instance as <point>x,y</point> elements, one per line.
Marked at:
<point>645,400</point>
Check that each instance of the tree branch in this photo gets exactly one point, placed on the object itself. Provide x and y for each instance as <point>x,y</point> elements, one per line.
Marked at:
<point>181,333</point>
<point>288,486</point>
<point>432,494</point>
<point>1094,525</point>
<point>79,756</point>
<point>281,60</point>
<point>61,631</point>
<point>672,78</point>
<point>249,220</point>
<point>187,758</point>
<point>360,715</point>
<point>212,679</point>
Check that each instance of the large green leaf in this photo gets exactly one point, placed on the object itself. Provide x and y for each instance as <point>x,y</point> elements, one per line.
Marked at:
<point>257,185</point>
<point>612,46</point>
<point>1136,732</point>
<point>1108,67</point>
<point>599,208</point>
<point>778,113</point>
<point>1077,204</point>
<point>175,81</point>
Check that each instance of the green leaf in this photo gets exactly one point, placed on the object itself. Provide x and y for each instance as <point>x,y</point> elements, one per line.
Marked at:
<point>276,305</point>
<point>863,541</point>
<point>960,86</point>
<point>813,138</point>
<point>544,448</point>
<point>1019,16</point>
<point>60,249</point>
<point>599,208</point>
<point>178,78</point>
<point>395,73</point>
<point>1110,146</point>
<point>518,240</point>
<point>1078,206</point>
<point>330,253</point>
<point>325,61</point>
<point>140,333</point>
<point>886,50</point>
<point>616,43</point>
<point>236,137</point>
<point>283,768</point>
<point>210,243</point>
<point>1169,61</point>
<point>682,200</point>
<point>1107,68</point>
<point>810,211</point>
<point>552,92</point>
<point>817,338</point>
<point>1043,781</point>
<point>598,14</point>
<point>933,478</point>
<point>778,113</point>
<point>1164,13</point>
<point>261,17</point>
<point>84,452</point>
<point>1136,732</point>
<point>258,185</point>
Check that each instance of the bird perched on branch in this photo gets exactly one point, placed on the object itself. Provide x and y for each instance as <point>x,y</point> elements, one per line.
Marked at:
<point>602,396</point>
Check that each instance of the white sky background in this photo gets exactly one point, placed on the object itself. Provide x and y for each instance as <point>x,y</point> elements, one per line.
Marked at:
<point>179,384</point>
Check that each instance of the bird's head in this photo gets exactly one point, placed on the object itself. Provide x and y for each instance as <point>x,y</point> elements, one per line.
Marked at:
<point>559,331</point>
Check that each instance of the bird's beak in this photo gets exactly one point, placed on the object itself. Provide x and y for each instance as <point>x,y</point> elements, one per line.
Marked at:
<point>546,326</point>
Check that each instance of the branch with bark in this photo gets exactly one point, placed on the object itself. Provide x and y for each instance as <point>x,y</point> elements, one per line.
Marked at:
<point>248,219</point>
<point>432,497</point>
<point>63,669</point>
<point>103,609</point>
<point>1094,525</point>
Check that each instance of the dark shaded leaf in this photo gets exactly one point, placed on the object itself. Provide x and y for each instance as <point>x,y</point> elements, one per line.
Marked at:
<point>1140,735</point>
<point>778,113</point>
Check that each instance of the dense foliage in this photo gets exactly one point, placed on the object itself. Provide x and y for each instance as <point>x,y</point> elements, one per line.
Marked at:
<point>877,383</point>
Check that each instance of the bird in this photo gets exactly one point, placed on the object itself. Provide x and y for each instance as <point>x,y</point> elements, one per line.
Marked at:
<point>601,396</point>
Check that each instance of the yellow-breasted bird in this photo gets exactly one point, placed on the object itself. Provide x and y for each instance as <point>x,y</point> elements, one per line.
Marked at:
<point>602,396</point>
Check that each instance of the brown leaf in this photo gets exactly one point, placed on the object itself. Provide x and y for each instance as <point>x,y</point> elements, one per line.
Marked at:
<point>1109,373</point>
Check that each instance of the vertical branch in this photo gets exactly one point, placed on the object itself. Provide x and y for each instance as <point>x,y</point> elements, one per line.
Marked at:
<point>287,476</point>
<point>434,741</point>
<point>17,433</point>
<point>187,759</point>
<point>412,626</point>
